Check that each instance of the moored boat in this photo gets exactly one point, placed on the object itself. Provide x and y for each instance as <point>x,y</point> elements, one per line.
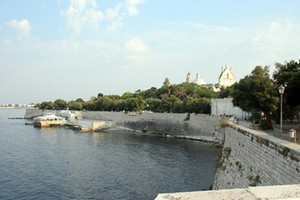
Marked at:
<point>48,120</point>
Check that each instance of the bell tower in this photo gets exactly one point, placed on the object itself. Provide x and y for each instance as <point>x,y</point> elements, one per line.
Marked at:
<point>188,77</point>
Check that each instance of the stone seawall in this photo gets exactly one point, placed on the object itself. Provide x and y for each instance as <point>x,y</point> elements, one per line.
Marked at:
<point>253,158</point>
<point>161,123</point>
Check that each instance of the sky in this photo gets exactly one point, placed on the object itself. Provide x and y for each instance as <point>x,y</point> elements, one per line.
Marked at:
<point>69,49</point>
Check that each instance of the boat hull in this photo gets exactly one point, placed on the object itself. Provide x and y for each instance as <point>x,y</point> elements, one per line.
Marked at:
<point>43,124</point>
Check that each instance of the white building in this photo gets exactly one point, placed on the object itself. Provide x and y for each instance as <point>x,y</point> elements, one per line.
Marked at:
<point>226,79</point>
<point>189,77</point>
<point>225,107</point>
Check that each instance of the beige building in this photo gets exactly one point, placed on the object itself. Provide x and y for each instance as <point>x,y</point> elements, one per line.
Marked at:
<point>226,77</point>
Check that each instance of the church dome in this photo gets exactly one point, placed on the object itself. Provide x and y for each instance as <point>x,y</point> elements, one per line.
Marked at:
<point>198,80</point>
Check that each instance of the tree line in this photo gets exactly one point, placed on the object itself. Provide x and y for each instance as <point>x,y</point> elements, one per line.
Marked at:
<point>176,98</point>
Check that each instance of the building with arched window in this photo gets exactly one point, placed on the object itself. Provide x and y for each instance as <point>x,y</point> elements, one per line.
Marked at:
<point>226,77</point>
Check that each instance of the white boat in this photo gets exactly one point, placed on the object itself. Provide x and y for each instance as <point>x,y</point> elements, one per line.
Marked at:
<point>71,116</point>
<point>47,120</point>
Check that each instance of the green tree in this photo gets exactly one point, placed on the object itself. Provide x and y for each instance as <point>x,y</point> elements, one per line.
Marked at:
<point>288,74</point>
<point>90,105</point>
<point>189,104</point>
<point>154,104</point>
<point>161,91</point>
<point>114,97</point>
<point>80,100</point>
<point>135,104</point>
<point>256,92</point>
<point>204,105</point>
<point>176,104</point>
<point>104,104</point>
<point>93,98</point>
<point>150,93</point>
<point>47,105</point>
<point>204,92</point>
<point>74,105</point>
<point>225,92</point>
<point>60,104</point>
<point>120,105</point>
<point>127,95</point>
<point>179,92</point>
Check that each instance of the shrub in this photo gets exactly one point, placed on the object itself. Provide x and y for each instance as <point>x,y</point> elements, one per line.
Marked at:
<point>223,122</point>
<point>265,124</point>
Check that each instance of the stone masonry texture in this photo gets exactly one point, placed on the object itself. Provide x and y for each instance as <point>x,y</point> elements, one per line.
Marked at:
<point>255,160</point>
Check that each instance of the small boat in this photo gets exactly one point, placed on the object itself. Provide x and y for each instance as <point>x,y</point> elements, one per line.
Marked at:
<point>48,120</point>
<point>82,129</point>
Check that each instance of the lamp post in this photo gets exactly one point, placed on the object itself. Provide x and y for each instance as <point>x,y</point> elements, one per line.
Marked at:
<point>281,91</point>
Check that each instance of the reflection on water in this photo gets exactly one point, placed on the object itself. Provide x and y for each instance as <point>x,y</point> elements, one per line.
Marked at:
<point>57,163</point>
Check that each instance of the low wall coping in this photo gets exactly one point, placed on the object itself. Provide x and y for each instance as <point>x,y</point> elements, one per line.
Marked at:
<point>282,192</point>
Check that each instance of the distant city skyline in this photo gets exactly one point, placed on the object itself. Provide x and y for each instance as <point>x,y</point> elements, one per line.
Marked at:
<point>73,49</point>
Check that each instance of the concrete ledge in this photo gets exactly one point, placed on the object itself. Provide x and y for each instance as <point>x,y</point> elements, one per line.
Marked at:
<point>284,192</point>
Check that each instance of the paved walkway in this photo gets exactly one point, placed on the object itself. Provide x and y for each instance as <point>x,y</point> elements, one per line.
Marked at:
<point>283,192</point>
<point>244,125</point>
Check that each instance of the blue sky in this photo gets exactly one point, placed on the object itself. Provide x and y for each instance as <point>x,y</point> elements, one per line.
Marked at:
<point>78,48</point>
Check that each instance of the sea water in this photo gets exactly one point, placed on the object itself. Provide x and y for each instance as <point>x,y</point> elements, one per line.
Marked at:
<point>57,163</point>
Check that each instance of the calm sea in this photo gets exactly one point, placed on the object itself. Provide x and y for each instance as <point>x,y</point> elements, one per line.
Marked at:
<point>56,163</point>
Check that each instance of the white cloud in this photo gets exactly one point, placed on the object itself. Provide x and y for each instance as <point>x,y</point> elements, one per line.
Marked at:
<point>114,13</point>
<point>131,6</point>
<point>84,13</point>
<point>135,50</point>
<point>276,32</point>
<point>22,27</point>
<point>116,25</point>
<point>276,40</point>
<point>94,17</point>
<point>135,45</point>
<point>81,13</point>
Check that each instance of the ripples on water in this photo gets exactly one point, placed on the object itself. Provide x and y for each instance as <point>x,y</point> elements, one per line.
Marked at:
<point>56,163</point>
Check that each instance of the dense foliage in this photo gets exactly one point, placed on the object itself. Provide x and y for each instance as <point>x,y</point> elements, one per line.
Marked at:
<point>257,93</point>
<point>177,98</point>
<point>288,75</point>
